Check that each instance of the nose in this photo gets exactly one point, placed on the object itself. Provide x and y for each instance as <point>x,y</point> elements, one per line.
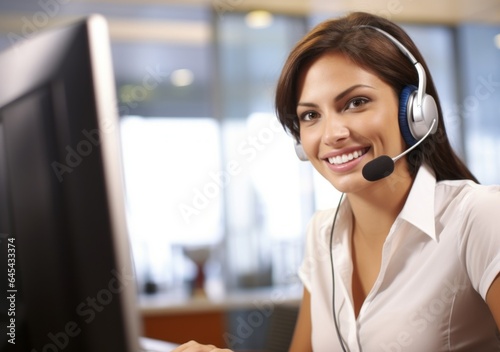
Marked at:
<point>335,130</point>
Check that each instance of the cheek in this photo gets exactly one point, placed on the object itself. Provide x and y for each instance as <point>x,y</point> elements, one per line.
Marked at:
<point>385,126</point>
<point>309,141</point>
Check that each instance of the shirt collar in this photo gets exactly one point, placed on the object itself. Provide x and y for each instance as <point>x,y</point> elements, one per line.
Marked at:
<point>419,207</point>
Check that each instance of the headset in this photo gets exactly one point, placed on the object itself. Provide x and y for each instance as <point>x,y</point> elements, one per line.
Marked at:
<point>418,113</point>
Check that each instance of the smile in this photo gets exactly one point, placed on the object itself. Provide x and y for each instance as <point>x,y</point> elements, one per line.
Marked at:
<point>344,158</point>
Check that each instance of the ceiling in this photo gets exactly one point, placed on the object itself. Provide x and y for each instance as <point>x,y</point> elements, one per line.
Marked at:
<point>420,11</point>
<point>157,20</point>
<point>435,11</point>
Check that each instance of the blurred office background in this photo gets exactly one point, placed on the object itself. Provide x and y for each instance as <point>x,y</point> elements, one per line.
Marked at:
<point>210,174</point>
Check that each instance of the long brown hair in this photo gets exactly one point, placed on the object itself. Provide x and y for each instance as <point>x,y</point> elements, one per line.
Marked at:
<point>375,53</point>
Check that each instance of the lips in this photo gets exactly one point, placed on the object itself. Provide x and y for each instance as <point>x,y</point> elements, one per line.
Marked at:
<point>346,157</point>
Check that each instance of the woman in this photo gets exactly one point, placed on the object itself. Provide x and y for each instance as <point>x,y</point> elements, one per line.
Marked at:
<point>410,260</point>
<point>416,255</point>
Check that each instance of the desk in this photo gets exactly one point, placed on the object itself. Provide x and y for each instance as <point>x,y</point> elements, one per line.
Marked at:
<point>177,318</point>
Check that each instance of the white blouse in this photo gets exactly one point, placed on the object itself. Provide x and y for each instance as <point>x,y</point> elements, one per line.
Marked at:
<point>438,261</point>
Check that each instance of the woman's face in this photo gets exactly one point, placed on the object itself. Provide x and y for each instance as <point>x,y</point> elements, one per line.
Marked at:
<point>348,117</point>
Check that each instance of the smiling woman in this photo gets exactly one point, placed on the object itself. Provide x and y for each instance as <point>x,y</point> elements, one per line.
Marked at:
<point>338,101</point>
<point>348,93</point>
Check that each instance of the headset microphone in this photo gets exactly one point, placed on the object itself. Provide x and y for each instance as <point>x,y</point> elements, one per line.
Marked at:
<point>383,165</point>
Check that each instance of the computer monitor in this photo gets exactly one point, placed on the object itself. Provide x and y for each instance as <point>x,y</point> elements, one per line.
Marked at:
<point>66,268</point>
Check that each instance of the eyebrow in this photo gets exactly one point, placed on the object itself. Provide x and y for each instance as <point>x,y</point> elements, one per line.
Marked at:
<point>340,96</point>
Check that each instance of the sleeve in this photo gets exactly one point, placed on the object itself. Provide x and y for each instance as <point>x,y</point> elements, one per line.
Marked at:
<point>316,248</point>
<point>482,237</point>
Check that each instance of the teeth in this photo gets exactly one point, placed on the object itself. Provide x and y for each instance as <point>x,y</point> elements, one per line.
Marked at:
<point>344,158</point>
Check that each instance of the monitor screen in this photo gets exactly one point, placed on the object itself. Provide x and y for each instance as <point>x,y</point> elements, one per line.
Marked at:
<point>67,278</point>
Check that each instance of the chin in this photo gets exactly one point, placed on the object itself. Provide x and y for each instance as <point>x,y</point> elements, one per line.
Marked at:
<point>351,183</point>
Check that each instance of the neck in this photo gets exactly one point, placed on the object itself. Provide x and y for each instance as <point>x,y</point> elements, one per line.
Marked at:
<point>375,210</point>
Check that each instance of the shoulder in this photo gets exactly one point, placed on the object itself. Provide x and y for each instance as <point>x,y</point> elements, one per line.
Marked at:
<point>318,225</point>
<point>472,215</point>
<point>318,231</point>
<point>317,249</point>
<point>470,200</point>
<point>322,217</point>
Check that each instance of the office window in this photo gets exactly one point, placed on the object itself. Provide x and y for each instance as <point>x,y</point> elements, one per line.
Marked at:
<point>174,192</point>
<point>479,104</point>
<point>163,61</point>
<point>270,200</point>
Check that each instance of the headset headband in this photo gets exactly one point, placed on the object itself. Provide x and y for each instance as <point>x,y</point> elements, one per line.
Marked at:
<point>422,77</point>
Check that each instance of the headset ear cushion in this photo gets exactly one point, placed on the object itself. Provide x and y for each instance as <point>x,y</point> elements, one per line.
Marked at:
<point>405,117</point>
<point>301,154</point>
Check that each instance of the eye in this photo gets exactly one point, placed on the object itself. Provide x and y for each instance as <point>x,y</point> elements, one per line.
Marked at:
<point>308,116</point>
<point>356,103</point>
